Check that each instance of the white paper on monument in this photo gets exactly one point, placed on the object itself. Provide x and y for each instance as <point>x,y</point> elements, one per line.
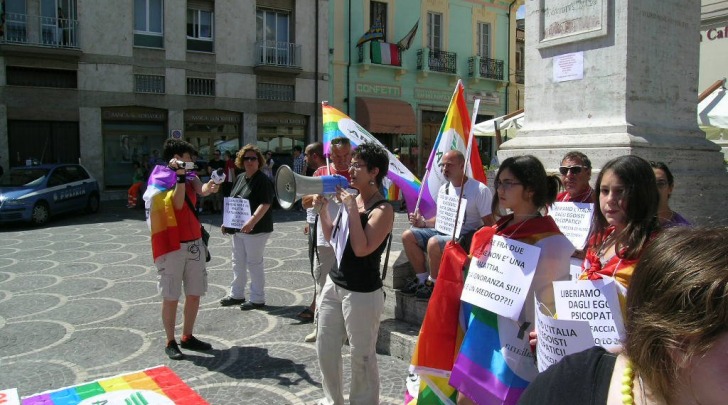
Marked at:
<point>569,66</point>
<point>340,233</point>
<point>447,206</point>
<point>499,280</point>
<point>9,397</point>
<point>559,337</point>
<point>575,268</point>
<point>236,212</point>
<point>594,301</point>
<point>574,221</point>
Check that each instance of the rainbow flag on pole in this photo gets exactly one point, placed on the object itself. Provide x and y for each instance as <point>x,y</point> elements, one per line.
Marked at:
<point>158,385</point>
<point>338,124</point>
<point>453,135</point>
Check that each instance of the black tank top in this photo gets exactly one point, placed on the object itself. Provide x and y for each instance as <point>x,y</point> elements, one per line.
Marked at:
<point>360,274</point>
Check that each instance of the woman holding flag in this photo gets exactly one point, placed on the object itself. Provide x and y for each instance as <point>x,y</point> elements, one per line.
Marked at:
<point>495,363</point>
<point>352,299</point>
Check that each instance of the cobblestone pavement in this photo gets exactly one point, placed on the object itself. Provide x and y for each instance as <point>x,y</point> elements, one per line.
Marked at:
<point>78,302</point>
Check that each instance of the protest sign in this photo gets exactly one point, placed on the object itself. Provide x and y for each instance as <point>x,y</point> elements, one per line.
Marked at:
<point>575,268</point>
<point>558,337</point>
<point>574,221</point>
<point>499,280</point>
<point>340,233</point>
<point>9,397</point>
<point>236,212</point>
<point>447,207</point>
<point>595,301</point>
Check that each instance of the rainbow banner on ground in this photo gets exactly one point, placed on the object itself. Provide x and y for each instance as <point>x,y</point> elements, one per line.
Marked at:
<point>453,135</point>
<point>338,124</point>
<point>158,386</point>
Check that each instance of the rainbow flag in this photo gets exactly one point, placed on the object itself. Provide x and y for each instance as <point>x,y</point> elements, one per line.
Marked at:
<point>338,124</point>
<point>158,385</point>
<point>160,210</point>
<point>453,135</point>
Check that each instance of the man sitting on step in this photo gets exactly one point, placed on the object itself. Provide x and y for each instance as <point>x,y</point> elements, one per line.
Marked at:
<point>423,243</point>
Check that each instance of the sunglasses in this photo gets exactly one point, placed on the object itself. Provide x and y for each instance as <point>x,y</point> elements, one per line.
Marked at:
<point>250,158</point>
<point>564,170</point>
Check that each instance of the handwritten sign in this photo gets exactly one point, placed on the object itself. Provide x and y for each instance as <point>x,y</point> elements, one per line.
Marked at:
<point>447,207</point>
<point>236,212</point>
<point>574,221</point>
<point>499,280</point>
<point>9,397</point>
<point>340,233</point>
<point>558,338</point>
<point>596,302</point>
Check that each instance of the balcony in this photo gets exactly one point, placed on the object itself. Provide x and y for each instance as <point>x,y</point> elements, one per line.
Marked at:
<point>436,61</point>
<point>281,57</point>
<point>486,68</point>
<point>26,29</point>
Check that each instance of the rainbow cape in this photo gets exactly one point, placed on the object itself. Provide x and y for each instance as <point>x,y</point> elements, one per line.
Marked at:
<point>338,124</point>
<point>495,363</point>
<point>158,385</point>
<point>160,210</point>
<point>453,135</point>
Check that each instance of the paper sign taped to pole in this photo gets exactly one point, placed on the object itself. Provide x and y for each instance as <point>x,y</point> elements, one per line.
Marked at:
<point>447,207</point>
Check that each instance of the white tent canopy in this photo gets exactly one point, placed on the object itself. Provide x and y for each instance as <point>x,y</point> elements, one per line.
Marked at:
<point>713,110</point>
<point>488,128</point>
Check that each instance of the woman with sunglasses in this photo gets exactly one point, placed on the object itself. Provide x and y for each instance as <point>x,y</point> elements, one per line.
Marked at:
<point>522,187</point>
<point>249,241</point>
<point>575,172</point>
<point>665,183</point>
<point>625,221</point>
<point>352,300</point>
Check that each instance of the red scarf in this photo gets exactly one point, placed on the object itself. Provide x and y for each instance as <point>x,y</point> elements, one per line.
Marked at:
<point>617,266</point>
<point>529,231</point>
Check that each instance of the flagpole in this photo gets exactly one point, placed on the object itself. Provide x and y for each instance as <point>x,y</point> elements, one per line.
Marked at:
<point>326,155</point>
<point>476,106</point>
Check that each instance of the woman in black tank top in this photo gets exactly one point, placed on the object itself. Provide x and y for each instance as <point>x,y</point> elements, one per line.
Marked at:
<point>352,300</point>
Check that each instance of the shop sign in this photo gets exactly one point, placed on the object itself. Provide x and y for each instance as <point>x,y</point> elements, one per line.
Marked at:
<point>378,90</point>
<point>134,115</point>
<point>432,95</point>
<point>715,33</point>
<point>281,120</point>
<point>486,97</point>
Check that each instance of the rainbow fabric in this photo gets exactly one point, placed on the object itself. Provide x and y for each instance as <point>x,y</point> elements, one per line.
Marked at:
<point>486,368</point>
<point>160,210</point>
<point>453,135</point>
<point>158,385</point>
<point>337,124</point>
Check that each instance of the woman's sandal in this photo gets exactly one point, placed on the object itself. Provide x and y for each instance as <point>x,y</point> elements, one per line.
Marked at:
<point>306,315</point>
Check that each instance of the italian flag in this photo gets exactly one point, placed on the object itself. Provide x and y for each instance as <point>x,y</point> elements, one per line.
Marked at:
<point>385,54</point>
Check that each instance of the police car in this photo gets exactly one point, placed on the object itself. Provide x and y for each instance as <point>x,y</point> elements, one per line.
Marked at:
<point>34,193</point>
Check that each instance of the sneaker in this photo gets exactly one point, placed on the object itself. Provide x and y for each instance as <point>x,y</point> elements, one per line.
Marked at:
<point>247,306</point>
<point>425,291</point>
<point>229,300</point>
<point>195,344</point>
<point>411,287</point>
<point>311,337</point>
<point>173,352</point>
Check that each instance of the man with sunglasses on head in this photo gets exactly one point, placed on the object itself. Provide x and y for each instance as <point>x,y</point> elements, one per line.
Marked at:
<point>575,172</point>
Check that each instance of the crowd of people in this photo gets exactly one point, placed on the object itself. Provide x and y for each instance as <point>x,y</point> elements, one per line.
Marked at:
<point>671,283</point>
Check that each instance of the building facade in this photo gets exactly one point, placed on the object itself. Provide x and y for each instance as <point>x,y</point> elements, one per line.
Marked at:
<point>105,83</point>
<point>399,89</point>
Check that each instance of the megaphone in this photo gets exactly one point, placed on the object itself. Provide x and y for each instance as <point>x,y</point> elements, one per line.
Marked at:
<point>291,186</point>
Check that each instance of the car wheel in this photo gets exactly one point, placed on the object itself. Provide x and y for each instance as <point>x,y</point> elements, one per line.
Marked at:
<point>41,213</point>
<point>93,204</point>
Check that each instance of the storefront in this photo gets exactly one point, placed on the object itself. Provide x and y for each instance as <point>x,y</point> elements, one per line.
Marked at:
<point>210,130</point>
<point>279,133</point>
<point>393,123</point>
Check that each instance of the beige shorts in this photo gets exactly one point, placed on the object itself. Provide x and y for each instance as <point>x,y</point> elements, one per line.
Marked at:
<point>186,265</point>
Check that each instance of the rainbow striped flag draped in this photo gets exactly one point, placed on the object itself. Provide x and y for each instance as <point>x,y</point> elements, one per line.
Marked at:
<point>337,124</point>
<point>160,210</point>
<point>453,135</point>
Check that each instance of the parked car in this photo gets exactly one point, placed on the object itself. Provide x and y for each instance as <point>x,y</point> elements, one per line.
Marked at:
<point>34,193</point>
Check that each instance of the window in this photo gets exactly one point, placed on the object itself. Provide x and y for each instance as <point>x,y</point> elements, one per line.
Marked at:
<point>273,36</point>
<point>378,12</point>
<point>149,84</point>
<point>484,40</point>
<point>38,77</point>
<point>148,23</point>
<point>434,31</point>
<point>279,92</point>
<point>200,87</point>
<point>200,29</point>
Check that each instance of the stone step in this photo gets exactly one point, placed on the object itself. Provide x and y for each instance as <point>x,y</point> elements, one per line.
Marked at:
<point>397,339</point>
<point>399,270</point>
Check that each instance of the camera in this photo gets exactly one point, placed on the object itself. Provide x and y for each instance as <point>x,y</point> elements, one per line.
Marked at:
<point>186,165</point>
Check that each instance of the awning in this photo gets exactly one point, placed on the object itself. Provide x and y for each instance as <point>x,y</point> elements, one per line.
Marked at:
<point>385,116</point>
<point>487,128</point>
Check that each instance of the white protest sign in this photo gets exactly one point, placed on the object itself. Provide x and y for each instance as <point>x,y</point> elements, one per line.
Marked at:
<point>447,206</point>
<point>340,233</point>
<point>595,301</point>
<point>236,212</point>
<point>574,221</point>
<point>558,338</point>
<point>499,281</point>
<point>9,397</point>
<point>575,267</point>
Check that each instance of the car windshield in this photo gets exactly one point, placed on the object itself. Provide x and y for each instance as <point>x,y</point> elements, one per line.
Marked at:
<point>25,177</point>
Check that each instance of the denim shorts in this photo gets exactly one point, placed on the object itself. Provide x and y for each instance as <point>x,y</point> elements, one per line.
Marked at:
<point>422,235</point>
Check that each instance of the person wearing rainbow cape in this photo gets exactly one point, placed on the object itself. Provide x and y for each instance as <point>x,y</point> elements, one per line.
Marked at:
<point>177,247</point>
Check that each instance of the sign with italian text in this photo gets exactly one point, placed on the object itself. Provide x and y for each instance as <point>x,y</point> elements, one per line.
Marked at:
<point>558,338</point>
<point>236,212</point>
<point>500,279</point>
<point>574,221</point>
<point>447,211</point>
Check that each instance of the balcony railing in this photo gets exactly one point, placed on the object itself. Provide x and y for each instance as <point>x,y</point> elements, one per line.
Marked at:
<point>485,67</point>
<point>520,76</point>
<point>273,53</point>
<point>437,61</point>
<point>40,31</point>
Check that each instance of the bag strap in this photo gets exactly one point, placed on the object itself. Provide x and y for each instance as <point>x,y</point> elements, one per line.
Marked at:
<point>389,239</point>
<point>192,207</point>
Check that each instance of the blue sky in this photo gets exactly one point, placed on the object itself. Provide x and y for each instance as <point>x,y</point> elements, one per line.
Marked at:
<point>521,12</point>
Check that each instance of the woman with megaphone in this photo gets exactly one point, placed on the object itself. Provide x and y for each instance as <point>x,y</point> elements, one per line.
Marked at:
<point>352,300</point>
